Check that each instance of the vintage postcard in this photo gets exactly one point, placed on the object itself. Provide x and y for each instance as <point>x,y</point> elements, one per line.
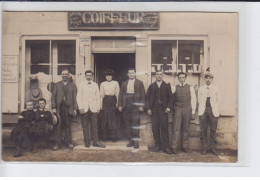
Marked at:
<point>119,86</point>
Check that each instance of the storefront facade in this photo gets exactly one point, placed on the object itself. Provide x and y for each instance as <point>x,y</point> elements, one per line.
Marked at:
<point>40,44</point>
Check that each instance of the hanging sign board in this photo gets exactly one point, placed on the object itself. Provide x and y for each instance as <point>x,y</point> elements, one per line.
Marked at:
<point>113,20</point>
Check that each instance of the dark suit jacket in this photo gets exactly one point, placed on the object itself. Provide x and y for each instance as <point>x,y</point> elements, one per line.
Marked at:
<point>166,95</point>
<point>57,96</point>
<point>139,96</point>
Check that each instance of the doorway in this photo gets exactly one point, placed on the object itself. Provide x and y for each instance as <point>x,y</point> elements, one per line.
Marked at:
<point>119,62</point>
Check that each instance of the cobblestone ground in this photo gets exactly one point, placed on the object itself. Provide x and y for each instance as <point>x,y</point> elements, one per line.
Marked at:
<point>63,154</point>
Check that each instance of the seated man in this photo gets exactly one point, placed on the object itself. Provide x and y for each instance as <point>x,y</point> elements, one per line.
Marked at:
<point>20,133</point>
<point>43,123</point>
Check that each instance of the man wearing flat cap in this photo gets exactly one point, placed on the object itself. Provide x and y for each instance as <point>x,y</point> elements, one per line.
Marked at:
<point>208,99</point>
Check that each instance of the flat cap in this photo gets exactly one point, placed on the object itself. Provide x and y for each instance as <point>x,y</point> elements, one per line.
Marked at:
<point>208,74</point>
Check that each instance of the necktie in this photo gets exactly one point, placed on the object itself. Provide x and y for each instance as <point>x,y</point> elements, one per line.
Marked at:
<point>208,94</point>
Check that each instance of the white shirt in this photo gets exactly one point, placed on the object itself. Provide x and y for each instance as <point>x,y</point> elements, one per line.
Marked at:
<point>192,95</point>
<point>109,88</point>
<point>131,86</point>
<point>88,97</point>
<point>212,92</point>
<point>159,83</point>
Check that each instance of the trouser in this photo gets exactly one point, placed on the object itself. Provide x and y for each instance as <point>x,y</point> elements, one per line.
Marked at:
<point>160,127</point>
<point>21,137</point>
<point>64,128</point>
<point>208,119</point>
<point>89,120</point>
<point>132,122</point>
<point>182,117</point>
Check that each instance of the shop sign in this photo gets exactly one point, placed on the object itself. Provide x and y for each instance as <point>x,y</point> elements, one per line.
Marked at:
<point>113,20</point>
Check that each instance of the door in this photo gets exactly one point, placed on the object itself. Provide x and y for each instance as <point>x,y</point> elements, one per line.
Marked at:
<point>119,62</point>
<point>45,60</point>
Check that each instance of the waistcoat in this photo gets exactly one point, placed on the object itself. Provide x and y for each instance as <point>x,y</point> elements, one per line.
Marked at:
<point>182,96</point>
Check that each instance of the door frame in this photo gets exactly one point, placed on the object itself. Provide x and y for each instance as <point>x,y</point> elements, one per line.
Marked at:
<point>22,58</point>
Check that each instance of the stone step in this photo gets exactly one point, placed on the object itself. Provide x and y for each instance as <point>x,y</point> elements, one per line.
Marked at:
<point>112,147</point>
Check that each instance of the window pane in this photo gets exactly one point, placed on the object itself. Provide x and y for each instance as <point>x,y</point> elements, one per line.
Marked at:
<point>71,68</point>
<point>66,52</point>
<point>189,55</point>
<point>40,52</point>
<point>161,53</point>
<point>40,68</point>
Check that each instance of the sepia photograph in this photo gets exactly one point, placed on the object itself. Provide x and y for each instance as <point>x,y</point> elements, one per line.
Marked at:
<point>120,86</point>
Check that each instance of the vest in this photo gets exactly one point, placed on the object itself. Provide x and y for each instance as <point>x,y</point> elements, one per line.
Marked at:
<point>182,96</point>
<point>158,97</point>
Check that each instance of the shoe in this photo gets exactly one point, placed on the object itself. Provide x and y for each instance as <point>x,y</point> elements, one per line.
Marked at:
<point>34,148</point>
<point>174,151</point>
<point>98,144</point>
<point>167,151</point>
<point>186,150</point>
<point>87,145</point>
<point>56,147</point>
<point>70,145</point>
<point>130,144</point>
<point>18,152</point>
<point>136,144</point>
<point>156,149</point>
<point>204,151</point>
<point>213,150</point>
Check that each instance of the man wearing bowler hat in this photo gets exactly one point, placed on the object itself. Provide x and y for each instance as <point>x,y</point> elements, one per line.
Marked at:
<point>208,98</point>
<point>184,110</point>
<point>64,103</point>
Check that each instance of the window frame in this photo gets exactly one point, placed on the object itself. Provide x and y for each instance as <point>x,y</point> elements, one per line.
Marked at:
<point>171,37</point>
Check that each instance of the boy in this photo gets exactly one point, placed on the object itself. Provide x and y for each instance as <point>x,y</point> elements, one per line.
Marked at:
<point>20,133</point>
<point>43,123</point>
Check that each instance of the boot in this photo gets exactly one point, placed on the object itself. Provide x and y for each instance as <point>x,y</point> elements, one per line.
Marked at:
<point>130,144</point>
<point>136,144</point>
<point>18,151</point>
<point>34,150</point>
<point>213,150</point>
<point>204,149</point>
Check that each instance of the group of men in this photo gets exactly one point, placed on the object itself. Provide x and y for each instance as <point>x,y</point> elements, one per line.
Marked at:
<point>160,100</point>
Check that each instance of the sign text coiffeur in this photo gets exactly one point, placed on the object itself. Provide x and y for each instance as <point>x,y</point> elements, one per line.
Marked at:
<point>113,20</point>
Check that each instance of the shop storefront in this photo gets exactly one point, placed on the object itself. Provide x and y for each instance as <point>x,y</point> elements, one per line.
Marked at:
<point>41,44</point>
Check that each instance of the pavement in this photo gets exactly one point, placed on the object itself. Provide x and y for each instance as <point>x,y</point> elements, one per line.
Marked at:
<point>114,152</point>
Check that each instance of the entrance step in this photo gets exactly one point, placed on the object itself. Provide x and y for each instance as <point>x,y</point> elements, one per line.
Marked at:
<point>113,146</point>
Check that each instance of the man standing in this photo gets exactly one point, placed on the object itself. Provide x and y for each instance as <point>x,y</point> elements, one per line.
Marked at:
<point>208,98</point>
<point>131,102</point>
<point>159,101</point>
<point>88,99</point>
<point>184,110</point>
<point>64,103</point>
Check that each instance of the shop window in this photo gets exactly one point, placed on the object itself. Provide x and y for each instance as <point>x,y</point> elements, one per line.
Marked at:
<point>71,68</point>
<point>66,56</point>
<point>50,57</point>
<point>40,56</point>
<point>66,52</point>
<point>174,56</point>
